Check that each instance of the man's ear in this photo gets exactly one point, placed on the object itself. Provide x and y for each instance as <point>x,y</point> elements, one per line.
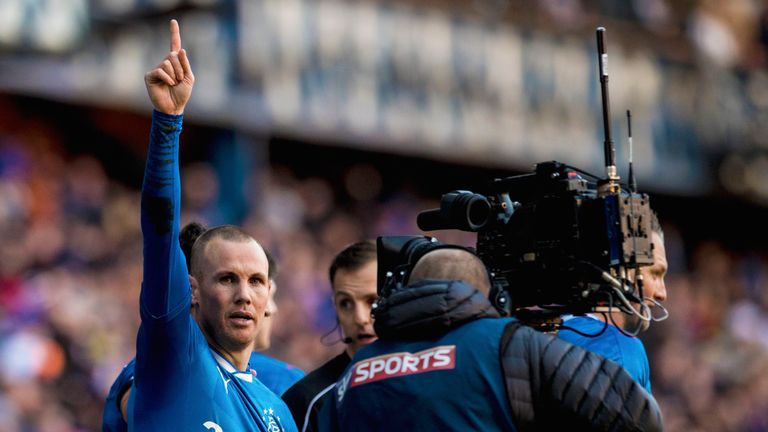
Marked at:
<point>195,290</point>
<point>271,308</point>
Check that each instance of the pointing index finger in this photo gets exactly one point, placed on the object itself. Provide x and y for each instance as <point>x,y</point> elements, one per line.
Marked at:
<point>175,36</point>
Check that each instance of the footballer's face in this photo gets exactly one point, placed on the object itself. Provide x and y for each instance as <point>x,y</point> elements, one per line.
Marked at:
<point>231,292</point>
<point>653,276</point>
<point>353,294</point>
<point>654,287</point>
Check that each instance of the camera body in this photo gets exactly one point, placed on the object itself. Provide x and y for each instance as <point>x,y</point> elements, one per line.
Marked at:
<point>396,256</point>
<point>550,239</point>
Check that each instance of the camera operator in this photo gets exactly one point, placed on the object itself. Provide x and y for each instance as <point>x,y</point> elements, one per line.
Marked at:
<point>446,361</point>
<point>614,343</point>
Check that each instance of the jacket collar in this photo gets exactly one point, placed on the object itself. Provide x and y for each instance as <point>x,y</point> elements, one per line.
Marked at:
<point>429,308</point>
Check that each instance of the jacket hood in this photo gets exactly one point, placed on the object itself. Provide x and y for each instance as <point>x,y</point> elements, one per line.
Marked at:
<point>429,308</point>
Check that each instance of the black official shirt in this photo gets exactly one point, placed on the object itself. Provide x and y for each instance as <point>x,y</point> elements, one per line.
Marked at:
<point>306,396</point>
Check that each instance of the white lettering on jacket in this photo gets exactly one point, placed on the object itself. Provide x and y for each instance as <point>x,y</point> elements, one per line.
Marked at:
<point>403,363</point>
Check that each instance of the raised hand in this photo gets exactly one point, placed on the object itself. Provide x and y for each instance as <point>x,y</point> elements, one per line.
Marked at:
<point>170,83</point>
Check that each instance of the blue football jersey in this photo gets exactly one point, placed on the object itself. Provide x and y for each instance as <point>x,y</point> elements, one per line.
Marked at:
<point>180,382</point>
<point>112,418</point>
<point>276,375</point>
<point>628,351</point>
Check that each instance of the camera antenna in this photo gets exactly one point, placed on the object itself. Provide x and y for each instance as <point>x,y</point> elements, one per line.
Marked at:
<point>609,149</point>
<point>638,282</point>
<point>632,180</point>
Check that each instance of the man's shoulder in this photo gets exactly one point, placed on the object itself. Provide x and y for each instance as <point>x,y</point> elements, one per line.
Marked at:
<point>600,332</point>
<point>317,380</point>
<point>491,329</point>
<point>609,342</point>
<point>112,418</point>
<point>262,361</point>
<point>125,376</point>
<point>587,328</point>
<point>277,375</point>
<point>122,383</point>
<point>584,322</point>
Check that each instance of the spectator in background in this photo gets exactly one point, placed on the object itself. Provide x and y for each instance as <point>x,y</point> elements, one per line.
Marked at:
<point>611,340</point>
<point>353,282</point>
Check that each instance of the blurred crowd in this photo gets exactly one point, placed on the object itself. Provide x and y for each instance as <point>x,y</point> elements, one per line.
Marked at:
<point>70,257</point>
<point>727,34</point>
<point>71,264</point>
<point>708,360</point>
<point>70,273</point>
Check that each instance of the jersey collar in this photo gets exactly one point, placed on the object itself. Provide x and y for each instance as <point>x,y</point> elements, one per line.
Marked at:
<point>227,366</point>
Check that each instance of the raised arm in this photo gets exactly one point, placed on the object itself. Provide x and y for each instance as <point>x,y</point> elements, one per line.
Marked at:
<point>165,289</point>
<point>170,83</point>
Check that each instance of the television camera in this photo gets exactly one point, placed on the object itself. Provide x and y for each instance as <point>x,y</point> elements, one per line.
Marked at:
<point>555,241</point>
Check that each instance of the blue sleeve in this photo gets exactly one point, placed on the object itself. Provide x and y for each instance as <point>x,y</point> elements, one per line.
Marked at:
<point>112,418</point>
<point>165,339</point>
<point>165,289</point>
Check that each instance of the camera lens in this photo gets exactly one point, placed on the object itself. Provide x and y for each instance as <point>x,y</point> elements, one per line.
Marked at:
<point>467,211</point>
<point>462,210</point>
<point>478,210</point>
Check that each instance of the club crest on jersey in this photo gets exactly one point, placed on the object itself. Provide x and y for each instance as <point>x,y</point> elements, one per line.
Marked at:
<point>211,425</point>
<point>402,364</point>
<point>272,420</point>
